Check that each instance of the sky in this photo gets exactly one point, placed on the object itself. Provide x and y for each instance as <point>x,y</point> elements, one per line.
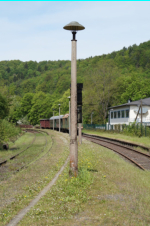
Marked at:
<point>34,30</point>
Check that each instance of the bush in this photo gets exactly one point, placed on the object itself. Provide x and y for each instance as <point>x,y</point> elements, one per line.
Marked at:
<point>7,130</point>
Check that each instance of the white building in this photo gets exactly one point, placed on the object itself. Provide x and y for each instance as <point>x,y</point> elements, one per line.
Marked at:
<point>126,113</point>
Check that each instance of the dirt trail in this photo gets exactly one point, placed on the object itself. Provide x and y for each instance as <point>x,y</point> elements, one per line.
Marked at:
<point>23,212</point>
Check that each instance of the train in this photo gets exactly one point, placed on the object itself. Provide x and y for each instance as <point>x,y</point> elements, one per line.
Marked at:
<point>48,123</point>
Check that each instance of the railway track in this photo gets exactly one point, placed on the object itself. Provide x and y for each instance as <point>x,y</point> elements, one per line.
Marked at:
<point>37,158</point>
<point>8,168</point>
<point>140,159</point>
<point>14,156</point>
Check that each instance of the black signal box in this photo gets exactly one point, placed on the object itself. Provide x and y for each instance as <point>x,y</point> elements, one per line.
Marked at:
<point>79,93</point>
<point>79,101</point>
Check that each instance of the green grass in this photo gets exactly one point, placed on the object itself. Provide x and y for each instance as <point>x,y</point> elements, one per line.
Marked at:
<point>138,140</point>
<point>108,191</point>
<point>19,145</point>
<point>31,152</point>
<point>26,184</point>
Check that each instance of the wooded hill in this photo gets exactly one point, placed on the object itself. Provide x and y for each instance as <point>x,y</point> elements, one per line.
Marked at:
<point>34,89</point>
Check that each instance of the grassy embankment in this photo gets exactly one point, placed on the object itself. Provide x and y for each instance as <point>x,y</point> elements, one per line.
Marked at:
<point>135,139</point>
<point>27,183</point>
<point>17,146</point>
<point>108,191</point>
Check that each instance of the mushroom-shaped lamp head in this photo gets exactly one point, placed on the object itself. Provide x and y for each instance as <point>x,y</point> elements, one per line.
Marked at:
<point>74,26</point>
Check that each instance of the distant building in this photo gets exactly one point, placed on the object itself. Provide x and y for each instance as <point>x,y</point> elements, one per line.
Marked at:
<point>126,113</point>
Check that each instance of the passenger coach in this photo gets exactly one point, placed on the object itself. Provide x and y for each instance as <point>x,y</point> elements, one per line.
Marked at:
<point>48,123</point>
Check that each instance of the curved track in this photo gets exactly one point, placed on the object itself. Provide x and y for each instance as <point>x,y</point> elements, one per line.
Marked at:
<point>14,156</point>
<point>26,165</point>
<point>140,159</point>
<point>4,165</point>
<point>38,158</point>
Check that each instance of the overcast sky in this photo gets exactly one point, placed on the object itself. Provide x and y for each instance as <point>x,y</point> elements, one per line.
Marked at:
<point>34,30</point>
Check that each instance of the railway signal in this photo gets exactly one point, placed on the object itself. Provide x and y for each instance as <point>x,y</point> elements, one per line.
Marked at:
<point>73,27</point>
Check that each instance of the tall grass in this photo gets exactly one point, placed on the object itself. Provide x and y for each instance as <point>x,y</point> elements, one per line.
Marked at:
<point>136,130</point>
<point>133,129</point>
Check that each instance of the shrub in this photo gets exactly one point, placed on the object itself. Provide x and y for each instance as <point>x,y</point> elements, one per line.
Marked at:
<point>7,130</point>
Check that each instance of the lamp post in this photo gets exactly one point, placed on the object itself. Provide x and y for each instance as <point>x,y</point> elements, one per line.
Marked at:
<point>69,115</point>
<point>59,117</point>
<point>53,118</point>
<point>91,117</point>
<point>73,27</point>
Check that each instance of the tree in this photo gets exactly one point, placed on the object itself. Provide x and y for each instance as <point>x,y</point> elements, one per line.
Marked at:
<point>100,86</point>
<point>26,103</point>
<point>64,101</point>
<point>135,87</point>
<point>4,108</point>
<point>41,107</point>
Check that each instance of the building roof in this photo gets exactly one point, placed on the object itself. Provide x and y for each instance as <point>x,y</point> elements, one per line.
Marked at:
<point>145,101</point>
<point>66,116</point>
<point>56,117</point>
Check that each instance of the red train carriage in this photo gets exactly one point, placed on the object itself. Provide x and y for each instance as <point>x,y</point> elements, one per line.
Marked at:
<point>45,123</point>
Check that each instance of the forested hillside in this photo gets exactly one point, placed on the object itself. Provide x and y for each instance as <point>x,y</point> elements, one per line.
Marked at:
<point>33,89</point>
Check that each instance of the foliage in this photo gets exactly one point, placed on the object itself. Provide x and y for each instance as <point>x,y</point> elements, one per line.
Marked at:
<point>64,101</point>
<point>4,109</point>
<point>100,84</point>
<point>135,129</point>
<point>7,130</point>
<point>26,103</point>
<point>108,80</point>
<point>41,107</point>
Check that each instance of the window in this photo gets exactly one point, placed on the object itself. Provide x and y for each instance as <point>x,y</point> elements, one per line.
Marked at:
<point>122,114</point>
<point>115,114</point>
<point>118,114</point>
<point>127,113</point>
<point>111,114</point>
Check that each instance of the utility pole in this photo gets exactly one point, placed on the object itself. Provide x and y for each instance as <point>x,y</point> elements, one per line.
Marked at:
<point>53,118</point>
<point>91,117</point>
<point>59,117</point>
<point>80,133</point>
